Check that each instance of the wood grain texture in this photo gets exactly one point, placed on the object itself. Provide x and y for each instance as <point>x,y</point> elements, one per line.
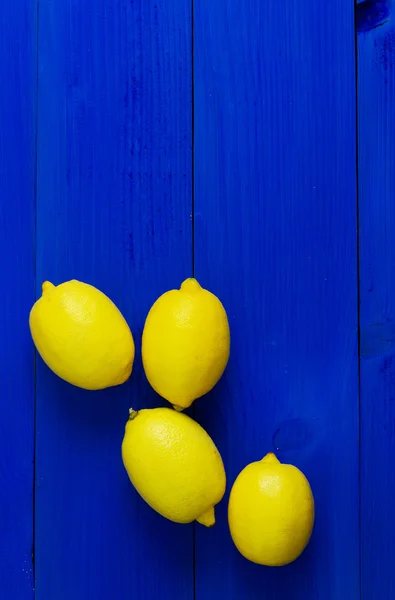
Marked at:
<point>275,238</point>
<point>376,153</point>
<point>114,207</point>
<point>17,200</point>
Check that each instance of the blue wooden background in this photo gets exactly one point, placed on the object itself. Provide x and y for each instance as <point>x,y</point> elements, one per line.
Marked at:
<point>253,145</point>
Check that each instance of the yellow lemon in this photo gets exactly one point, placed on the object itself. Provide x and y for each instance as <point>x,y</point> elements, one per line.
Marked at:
<point>185,344</point>
<point>82,336</point>
<point>174,465</point>
<point>271,512</point>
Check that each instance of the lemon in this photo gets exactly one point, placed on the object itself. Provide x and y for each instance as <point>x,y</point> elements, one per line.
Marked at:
<point>185,343</point>
<point>82,336</point>
<point>271,512</point>
<point>174,465</point>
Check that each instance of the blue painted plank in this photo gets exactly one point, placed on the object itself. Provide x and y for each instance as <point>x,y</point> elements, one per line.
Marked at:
<point>17,200</point>
<point>114,206</point>
<point>275,238</point>
<point>376,156</point>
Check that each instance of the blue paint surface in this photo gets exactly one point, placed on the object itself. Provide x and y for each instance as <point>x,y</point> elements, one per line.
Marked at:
<point>17,247</point>
<point>376,129</point>
<point>371,14</point>
<point>114,204</point>
<point>275,238</point>
<point>377,339</point>
<point>130,159</point>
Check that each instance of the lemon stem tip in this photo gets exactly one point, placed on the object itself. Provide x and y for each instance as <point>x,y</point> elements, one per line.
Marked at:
<point>207,518</point>
<point>178,408</point>
<point>47,286</point>
<point>132,414</point>
<point>190,285</point>
<point>270,458</point>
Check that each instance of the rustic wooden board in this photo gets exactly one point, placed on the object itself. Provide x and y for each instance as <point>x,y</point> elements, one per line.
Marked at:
<point>376,176</point>
<point>114,207</point>
<point>17,204</point>
<point>275,207</point>
<point>275,238</point>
